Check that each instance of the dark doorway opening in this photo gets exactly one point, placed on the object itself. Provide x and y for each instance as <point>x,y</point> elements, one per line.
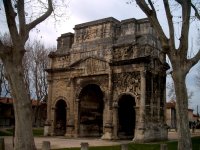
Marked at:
<point>126,116</point>
<point>91,111</point>
<point>60,124</point>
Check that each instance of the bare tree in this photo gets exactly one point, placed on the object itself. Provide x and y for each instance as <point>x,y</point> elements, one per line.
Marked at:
<point>172,94</point>
<point>12,56</point>
<point>181,64</point>
<point>4,88</point>
<point>198,77</point>
<point>36,62</point>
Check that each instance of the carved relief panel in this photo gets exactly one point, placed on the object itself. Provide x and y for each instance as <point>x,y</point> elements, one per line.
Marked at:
<point>61,62</point>
<point>91,66</point>
<point>126,82</point>
<point>93,33</point>
<point>122,53</point>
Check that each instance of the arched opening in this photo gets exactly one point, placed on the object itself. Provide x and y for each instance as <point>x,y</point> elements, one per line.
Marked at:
<point>126,117</point>
<point>91,111</point>
<point>60,118</point>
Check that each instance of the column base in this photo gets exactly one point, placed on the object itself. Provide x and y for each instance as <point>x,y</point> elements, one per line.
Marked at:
<point>47,129</point>
<point>139,136</point>
<point>108,128</point>
<point>70,131</point>
<point>107,136</point>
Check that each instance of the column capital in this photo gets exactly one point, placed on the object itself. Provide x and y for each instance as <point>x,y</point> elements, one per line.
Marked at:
<point>115,104</point>
<point>143,73</point>
<point>77,100</point>
<point>53,108</point>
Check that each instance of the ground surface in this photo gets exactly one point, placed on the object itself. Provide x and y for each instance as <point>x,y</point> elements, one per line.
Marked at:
<point>62,142</point>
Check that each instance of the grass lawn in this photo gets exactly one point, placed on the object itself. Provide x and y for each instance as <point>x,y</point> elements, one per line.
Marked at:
<point>36,132</point>
<point>171,146</point>
<point>2,133</point>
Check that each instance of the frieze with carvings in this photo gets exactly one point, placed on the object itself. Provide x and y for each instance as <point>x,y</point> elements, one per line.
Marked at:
<point>62,62</point>
<point>91,66</point>
<point>127,82</point>
<point>122,53</point>
<point>92,33</point>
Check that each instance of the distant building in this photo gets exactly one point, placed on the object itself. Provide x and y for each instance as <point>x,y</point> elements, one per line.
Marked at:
<point>196,118</point>
<point>7,117</point>
<point>6,112</point>
<point>171,115</point>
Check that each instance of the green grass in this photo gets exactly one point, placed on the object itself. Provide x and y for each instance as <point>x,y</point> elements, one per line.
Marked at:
<point>36,132</point>
<point>95,148</point>
<point>144,146</point>
<point>2,133</point>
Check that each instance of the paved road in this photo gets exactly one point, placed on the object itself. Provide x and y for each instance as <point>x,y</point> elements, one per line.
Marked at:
<point>62,142</point>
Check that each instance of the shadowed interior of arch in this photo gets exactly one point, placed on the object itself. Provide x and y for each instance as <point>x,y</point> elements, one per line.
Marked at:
<point>60,123</point>
<point>126,116</point>
<point>91,111</point>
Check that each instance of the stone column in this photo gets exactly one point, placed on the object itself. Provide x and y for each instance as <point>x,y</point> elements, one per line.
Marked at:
<point>107,121</point>
<point>47,125</point>
<point>46,145</point>
<point>143,97</point>
<point>84,146</point>
<point>66,109</point>
<point>124,147</point>
<point>115,120</point>
<point>76,117</point>
<point>139,136</point>
<point>69,124</point>
<point>53,121</point>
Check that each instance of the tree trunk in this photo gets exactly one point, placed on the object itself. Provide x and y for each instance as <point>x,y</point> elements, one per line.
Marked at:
<point>22,105</point>
<point>184,138</point>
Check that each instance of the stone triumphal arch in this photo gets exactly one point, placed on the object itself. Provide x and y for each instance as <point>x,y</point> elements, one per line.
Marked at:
<point>107,79</point>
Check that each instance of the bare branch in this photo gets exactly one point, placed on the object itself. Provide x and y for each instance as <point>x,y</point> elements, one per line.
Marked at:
<point>10,16</point>
<point>170,23</point>
<point>1,45</point>
<point>1,48</point>
<point>41,18</point>
<point>194,60</point>
<point>22,20</point>
<point>186,11</point>
<point>196,11</point>
<point>179,1</point>
<point>152,7</point>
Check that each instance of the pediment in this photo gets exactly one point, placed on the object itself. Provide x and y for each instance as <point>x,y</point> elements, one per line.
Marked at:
<point>90,65</point>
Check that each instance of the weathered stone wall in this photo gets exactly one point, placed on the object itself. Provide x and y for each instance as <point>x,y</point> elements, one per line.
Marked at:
<point>121,58</point>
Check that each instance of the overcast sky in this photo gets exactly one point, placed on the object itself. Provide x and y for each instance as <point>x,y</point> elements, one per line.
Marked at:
<point>81,11</point>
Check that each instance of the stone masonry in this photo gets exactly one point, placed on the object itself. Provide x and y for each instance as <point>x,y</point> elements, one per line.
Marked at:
<point>107,79</point>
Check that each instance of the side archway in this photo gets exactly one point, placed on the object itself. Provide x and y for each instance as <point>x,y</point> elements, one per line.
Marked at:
<point>126,116</point>
<point>60,117</point>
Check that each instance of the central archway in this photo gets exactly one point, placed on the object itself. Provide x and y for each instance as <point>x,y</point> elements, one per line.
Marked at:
<point>91,111</point>
<point>126,117</point>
